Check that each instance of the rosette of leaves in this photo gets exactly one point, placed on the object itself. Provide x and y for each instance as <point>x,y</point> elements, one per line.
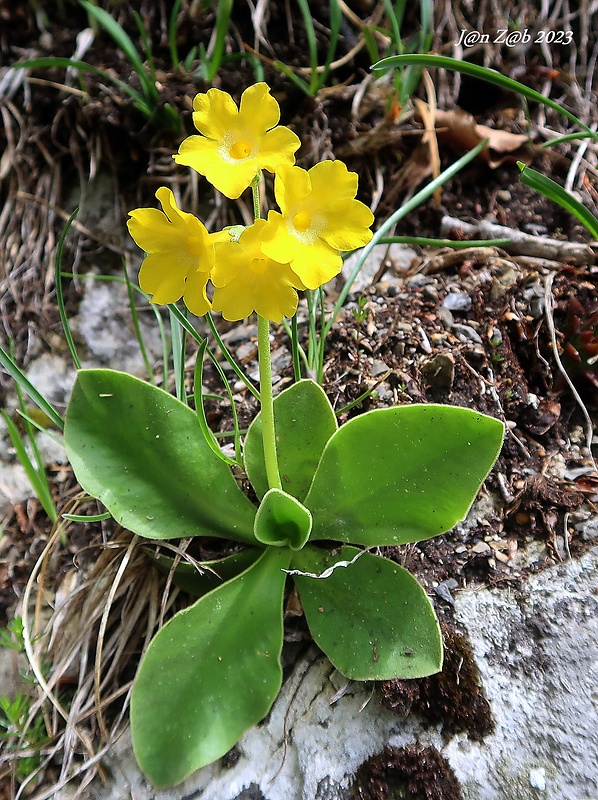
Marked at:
<point>388,477</point>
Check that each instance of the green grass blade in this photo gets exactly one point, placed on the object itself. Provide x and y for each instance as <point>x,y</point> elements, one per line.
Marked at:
<point>427,20</point>
<point>59,295</point>
<point>425,241</point>
<point>39,426</point>
<point>43,492</point>
<point>224,11</point>
<point>136,326</point>
<point>395,19</point>
<point>90,518</point>
<point>336,18</point>
<point>207,432</point>
<point>124,41</point>
<point>25,384</point>
<point>229,357</point>
<point>295,347</point>
<point>482,73</point>
<point>172,26</point>
<point>223,348</point>
<point>312,332</point>
<point>312,44</point>
<point>178,340</point>
<point>299,82</point>
<point>82,66</point>
<point>405,209</point>
<point>39,483</point>
<point>149,57</point>
<point>371,45</point>
<point>569,137</point>
<point>552,190</point>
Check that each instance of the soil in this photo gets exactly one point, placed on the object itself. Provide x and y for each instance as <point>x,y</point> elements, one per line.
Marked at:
<point>462,329</point>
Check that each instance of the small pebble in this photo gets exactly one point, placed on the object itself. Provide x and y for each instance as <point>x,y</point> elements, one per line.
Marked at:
<point>457,301</point>
<point>537,778</point>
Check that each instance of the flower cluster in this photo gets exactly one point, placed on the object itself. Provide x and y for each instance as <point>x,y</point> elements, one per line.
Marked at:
<point>298,247</point>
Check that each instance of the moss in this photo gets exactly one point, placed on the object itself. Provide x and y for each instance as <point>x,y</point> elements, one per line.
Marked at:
<point>409,773</point>
<point>453,697</point>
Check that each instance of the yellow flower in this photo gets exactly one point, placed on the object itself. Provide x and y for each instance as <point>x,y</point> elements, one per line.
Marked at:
<point>320,217</point>
<point>246,280</point>
<point>181,253</point>
<point>237,143</point>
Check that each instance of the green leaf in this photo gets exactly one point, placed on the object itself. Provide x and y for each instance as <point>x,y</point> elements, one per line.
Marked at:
<point>207,575</point>
<point>403,474</point>
<point>37,477</point>
<point>8,363</point>
<point>141,452</point>
<point>281,521</point>
<point>483,73</point>
<point>304,422</point>
<point>124,41</point>
<point>552,190</point>
<point>371,618</point>
<point>210,673</point>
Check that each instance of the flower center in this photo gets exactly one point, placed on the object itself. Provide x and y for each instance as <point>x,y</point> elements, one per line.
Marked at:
<point>240,150</point>
<point>302,221</point>
<point>258,265</point>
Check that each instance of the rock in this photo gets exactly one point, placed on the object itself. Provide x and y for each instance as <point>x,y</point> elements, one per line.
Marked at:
<point>382,257</point>
<point>538,656</point>
<point>104,322</point>
<point>457,301</point>
<point>439,371</point>
<point>537,653</point>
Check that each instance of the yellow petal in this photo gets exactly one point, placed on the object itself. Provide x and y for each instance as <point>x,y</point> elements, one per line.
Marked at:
<point>252,237</point>
<point>276,241</point>
<point>331,181</point>
<point>150,229</point>
<point>274,299</point>
<point>163,276</point>
<point>229,261</point>
<point>195,295</point>
<point>198,153</point>
<point>278,148</point>
<point>232,179</point>
<point>347,225</point>
<point>215,112</point>
<point>232,303</point>
<point>259,111</point>
<point>291,187</point>
<point>315,264</point>
<point>205,156</point>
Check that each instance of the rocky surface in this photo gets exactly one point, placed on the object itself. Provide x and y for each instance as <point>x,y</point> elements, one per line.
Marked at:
<point>537,651</point>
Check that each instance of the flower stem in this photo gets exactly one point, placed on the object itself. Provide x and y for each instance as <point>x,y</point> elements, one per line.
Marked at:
<point>265,364</point>
<point>266,400</point>
<point>255,191</point>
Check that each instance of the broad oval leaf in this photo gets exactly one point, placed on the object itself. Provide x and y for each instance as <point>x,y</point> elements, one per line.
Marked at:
<point>403,474</point>
<point>141,452</point>
<point>210,673</point>
<point>281,521</point>
<point>304,422</point>
<point>371,617</point>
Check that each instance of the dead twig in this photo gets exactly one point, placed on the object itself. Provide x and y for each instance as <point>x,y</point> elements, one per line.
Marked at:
<point>522,244</point>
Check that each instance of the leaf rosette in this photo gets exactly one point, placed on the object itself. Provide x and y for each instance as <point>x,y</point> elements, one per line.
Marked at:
<point>388,477</point>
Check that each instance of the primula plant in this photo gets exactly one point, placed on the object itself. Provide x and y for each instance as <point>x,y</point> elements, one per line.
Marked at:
<point>328,497</point>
